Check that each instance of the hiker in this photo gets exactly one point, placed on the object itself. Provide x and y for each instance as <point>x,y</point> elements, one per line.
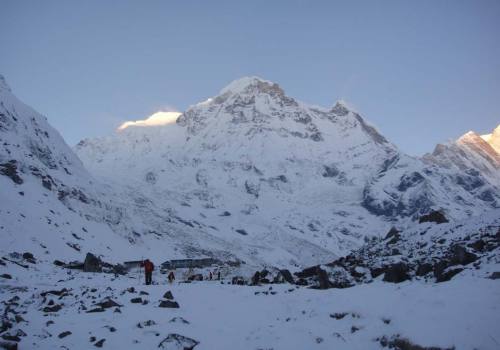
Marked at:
<point>148,270</point>
<point>210,276</point>
<point>171,277</point>
<point>218,275</point>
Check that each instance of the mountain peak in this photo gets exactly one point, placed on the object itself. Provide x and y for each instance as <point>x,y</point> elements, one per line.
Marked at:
<point>493,139</point>
<point>341,108</point>
<point>3,84</point>
<point>251,85</point>
<point>468,137</point>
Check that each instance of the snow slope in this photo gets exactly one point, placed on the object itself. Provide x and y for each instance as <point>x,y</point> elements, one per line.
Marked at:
<point>462,313</point>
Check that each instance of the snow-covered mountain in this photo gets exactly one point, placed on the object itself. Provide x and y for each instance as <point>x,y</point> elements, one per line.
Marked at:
<point>259,166</point>
<point>250,175</point>
<point>493,139</point>
<point>256,180</point>
<point>471,153</point>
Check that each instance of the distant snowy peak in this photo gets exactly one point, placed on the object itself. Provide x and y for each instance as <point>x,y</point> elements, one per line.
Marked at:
<point>470,151</point>
<point>479,145</point>
<point>247,85</point>
<point>493,139</point>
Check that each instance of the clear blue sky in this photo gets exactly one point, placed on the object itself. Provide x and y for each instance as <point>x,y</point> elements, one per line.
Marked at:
<point>421,71</point>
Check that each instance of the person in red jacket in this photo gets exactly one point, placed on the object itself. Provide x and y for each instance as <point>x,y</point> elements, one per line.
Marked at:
<point>148,270</point>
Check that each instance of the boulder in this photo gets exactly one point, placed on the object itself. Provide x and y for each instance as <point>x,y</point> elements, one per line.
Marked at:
<point>392,236</point>
<point>495,275</point>
<point>323,281</point>
<point>423,269</point>
<point>460,256</point>
<point>256,278</point>
<point>396,273</point>
<point>287,276</point>
<point>100,343</point>
<point>178,342</point>
<point>169,304</point>
<point>448,274</point>
<point>64,334</point>
<point>108,303</point>
<point>92,263</point>
<point>434,216</point>
<point>136,300</point>
<point>54,308</point>
<point>168,295</point>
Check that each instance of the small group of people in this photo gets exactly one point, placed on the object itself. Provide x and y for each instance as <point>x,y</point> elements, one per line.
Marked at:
<point>149,268</point>
<point>211,275</point>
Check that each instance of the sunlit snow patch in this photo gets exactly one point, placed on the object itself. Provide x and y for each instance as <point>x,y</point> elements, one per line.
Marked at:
<point>157,119</point>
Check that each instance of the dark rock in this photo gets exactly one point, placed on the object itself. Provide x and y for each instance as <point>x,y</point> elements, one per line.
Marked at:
<point>177,341</point>
<point>11,337</point>
<point>396,273</point>
<point>329,171</point>
<point>62,292</point>
<point>6,276</point>
<point>168,295</point>
<point>324,282</point>
<point>423,269</point>
<point>64,334</point>
<point>178,320</point>
<point>28,256</point>
<point>97,309</point>
<point>376,271</point>
<point>448,275</point>
<point>287,276</point>
<point>143,293</point>
<point>7,345</point>
<point>136,300</point>
<point>147,323</point>
<point>9,169</point>
<point>92,263</point>
<point>338,315</point>
<point>100,343</point>
<point>477,245</point>
<point>459,255</point>
<point>242,232</point>
<point>392,236</point>
<point>108,303</point>
<point>433,216</point>
<point>54,308</point>
<point>59,263</point>
<point>256,278</point>
<point>238,280</point>
<point>19,319</point>
<point>168,304</point>
<point>495,275</point>
<point>307,272</point>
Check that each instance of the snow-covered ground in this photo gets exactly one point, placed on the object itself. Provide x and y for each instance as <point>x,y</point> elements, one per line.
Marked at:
<point>462,313</point>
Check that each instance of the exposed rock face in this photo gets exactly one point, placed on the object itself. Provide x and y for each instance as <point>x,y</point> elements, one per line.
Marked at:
<point>419,253</point>
<point>92,263</point>
<point>177,342</point>
<point>434,216</point>
<point>396,273</point>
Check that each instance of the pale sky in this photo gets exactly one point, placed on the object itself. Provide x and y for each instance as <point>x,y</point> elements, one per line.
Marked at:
<point>422,72</point>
